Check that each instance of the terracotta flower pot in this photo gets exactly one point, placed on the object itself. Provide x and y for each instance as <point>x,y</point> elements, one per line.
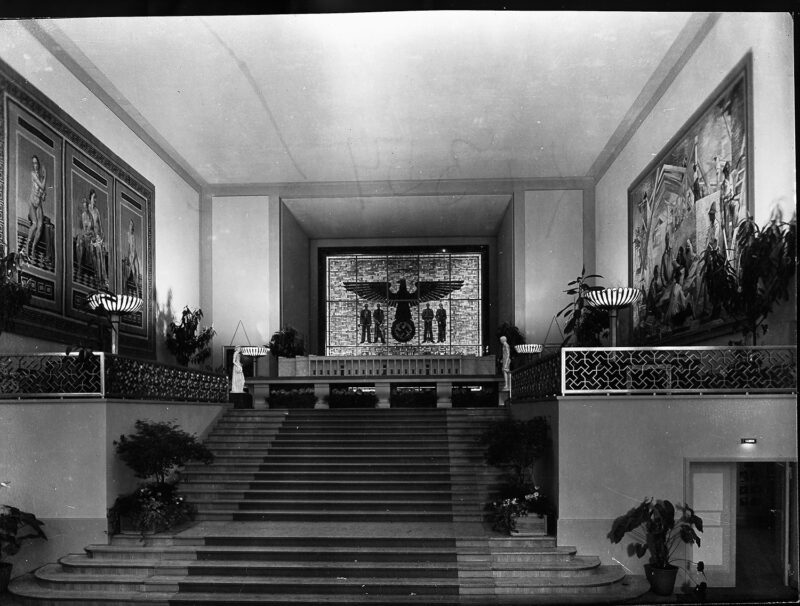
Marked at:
<point>662,580</point>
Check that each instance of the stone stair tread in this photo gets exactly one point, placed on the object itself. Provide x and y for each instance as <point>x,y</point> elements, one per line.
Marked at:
<point>81,560</point>
<point>53,572</point>
<point>310,580</point>
<point>286,549</point>
<point>604,575</point>
<point>27,586</point>
<point>315,598</point>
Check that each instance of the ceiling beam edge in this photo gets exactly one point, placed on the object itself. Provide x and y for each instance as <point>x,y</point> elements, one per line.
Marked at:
<point>62,48</point>
<point>687,42</point>
<point>369,189</point>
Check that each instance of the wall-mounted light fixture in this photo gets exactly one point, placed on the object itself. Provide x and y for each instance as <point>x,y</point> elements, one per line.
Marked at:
<point>749,441</point>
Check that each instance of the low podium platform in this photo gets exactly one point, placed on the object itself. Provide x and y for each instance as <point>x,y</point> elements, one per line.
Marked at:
<point>383,374</point>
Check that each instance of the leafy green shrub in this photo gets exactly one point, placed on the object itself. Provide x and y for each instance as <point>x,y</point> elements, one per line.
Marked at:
<point>12,522</point>
<point>286,343</point>
<point>516,445</point>
<point>655,529</point>
<point>157,449</point>
<point>183,340</point>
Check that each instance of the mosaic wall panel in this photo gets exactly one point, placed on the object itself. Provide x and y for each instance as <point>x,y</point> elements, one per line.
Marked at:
<point>431,304</point>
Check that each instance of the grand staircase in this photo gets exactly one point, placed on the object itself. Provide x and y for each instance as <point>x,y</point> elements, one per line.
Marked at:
<point>334,507</point>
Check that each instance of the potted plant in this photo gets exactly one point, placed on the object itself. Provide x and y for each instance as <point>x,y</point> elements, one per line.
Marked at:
<point>656,530</point>
<point>16,526</point>
<point>767,261</point>
<point>515,446</point>
<point>185,342</point>
<point>505,513</point>
<point>14,294</point>
<point>154,452</point>
<point>285,345</point>
<point>585,322</point>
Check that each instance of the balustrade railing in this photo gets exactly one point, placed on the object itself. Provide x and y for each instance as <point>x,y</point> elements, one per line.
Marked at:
<point>103,375</point>
<point>538,379</point>
<point>378,366</point>
<point>658,370</point>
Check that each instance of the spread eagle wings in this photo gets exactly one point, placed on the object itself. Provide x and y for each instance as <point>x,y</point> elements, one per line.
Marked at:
<point>425,291</point>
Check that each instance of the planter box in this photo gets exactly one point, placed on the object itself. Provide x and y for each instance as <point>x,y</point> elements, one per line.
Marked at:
<point>287,367</point>
<point>531,526</point>
<point>294,367</point>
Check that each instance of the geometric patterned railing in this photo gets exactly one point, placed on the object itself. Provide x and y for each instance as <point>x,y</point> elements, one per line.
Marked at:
<point>103,375</point>
<point>658,370</point>
<point>539,379</point>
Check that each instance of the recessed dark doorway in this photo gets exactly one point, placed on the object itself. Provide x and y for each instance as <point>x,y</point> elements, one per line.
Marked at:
<point>761,532</point>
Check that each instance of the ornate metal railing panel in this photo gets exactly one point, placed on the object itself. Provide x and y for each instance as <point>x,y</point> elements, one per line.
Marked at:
<point>144,380</point>
<point>538,379</point>
<point>657,370</point>
<point>50,375</point>
<point>639,370</point>
<point>105,375</point>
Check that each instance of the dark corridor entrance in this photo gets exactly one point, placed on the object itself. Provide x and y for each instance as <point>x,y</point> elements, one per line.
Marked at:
<point>760,526</point>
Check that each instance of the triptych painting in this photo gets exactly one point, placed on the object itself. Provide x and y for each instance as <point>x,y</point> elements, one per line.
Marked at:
<point>83,217</point>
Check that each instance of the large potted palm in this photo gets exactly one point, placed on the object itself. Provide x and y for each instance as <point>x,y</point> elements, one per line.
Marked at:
<point>656,530</point>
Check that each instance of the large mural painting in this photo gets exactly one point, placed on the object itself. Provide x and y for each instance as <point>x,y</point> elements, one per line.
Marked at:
<point>687,203</point>
<point>404,304</point>
<point>82,216</point>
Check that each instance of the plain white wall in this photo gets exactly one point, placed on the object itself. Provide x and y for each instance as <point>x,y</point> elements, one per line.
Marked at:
<point>245,270</point>
<point>615,451</point>
<point>176,208</point>
<point>59,460</point>
<point>553,245</point>
<point>769,37</point>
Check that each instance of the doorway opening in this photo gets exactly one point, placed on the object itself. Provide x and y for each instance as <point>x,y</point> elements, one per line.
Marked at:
<point>759,525</point>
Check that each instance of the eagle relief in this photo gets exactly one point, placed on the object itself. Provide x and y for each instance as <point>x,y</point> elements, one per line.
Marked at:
<point>402,297</point>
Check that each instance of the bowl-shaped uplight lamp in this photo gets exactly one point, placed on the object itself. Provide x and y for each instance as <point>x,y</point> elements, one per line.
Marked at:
<point>116,306</point>
<point>614,299</point>
<point>254,351</point>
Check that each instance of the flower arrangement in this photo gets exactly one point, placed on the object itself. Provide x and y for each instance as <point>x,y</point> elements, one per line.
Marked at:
<point>505,512</point>
<point>154,506</point>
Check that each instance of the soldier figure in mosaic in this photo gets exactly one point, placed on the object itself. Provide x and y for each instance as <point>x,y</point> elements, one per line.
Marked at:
<point>377,318</point>
<point>441,323</point>
<point>366,324</point>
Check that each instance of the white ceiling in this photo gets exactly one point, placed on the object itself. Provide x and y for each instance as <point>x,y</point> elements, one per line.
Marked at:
<point>375,96</point>
<point>399,217</point>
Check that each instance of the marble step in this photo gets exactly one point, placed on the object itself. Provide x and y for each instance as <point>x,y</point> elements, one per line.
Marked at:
<point>194,495</point>
<point>310,567</point>
<point>371,504</point>
<point>353,515</point>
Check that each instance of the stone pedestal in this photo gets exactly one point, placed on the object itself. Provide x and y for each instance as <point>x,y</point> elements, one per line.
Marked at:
<point>320,391</point>
<point>444,394</point>
<point>383,391</point>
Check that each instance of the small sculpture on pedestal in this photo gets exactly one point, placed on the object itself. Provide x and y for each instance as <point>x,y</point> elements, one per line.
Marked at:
<point>237,378</point>
<point>505,362</point>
